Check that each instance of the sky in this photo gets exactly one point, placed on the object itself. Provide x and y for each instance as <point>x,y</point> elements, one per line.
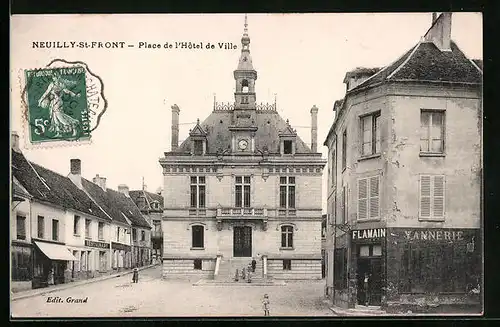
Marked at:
<point>300,58</point>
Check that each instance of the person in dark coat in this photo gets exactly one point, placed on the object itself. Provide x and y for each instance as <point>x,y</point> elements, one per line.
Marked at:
<point>254,264</point>
<point>135,275</point>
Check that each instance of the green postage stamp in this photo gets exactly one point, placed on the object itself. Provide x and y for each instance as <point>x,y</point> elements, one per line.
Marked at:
<point>64,103</point>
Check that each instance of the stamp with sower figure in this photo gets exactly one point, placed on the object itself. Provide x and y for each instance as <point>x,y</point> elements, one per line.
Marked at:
<point>63,102</point>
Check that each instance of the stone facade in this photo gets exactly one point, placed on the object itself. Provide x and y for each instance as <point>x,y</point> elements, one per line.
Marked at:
<point>242,185</point>
<point>406,221</point>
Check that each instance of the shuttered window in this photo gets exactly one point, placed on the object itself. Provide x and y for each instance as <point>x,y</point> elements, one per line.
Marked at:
<point>432,196</point>
<point>369,198</point>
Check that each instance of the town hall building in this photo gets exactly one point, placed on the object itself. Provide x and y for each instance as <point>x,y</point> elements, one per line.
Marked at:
<point>246,186</point>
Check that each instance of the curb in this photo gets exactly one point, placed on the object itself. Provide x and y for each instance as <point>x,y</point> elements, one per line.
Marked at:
<point>19,295</point>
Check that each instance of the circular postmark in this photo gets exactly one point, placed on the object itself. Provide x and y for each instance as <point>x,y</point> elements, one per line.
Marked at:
<point>63,101</point>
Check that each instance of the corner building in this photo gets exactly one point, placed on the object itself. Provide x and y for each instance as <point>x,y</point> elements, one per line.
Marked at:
<point>242,185</point>
<point>405,182</point>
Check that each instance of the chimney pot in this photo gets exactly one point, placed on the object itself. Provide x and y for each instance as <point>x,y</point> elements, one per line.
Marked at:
<point>100,181</point>
<point>15,141</point>
<point>76,166</point>
<point>122,188</point>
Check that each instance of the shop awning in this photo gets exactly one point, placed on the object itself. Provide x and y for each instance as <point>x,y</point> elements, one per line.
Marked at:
<point>56,251</point>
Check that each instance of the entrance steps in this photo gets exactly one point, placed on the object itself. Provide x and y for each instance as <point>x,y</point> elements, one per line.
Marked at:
<point>228,266</point>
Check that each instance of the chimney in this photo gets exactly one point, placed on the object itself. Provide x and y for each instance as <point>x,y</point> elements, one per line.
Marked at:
<point>175,127</point>
<point>75,173</point>
<point>15,141</point>
<point>440,32</point>
<point>314,129</point>
<point>122,188</point>
<point>100,181</point>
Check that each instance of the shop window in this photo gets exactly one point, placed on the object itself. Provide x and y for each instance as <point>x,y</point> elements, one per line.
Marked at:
<point>377,250</point>
<point>21,227</point>
<point>287,264</point>
<point>364,251</point>
<point>197,264</point>
<point>21,264</point>
<point>438,269</point>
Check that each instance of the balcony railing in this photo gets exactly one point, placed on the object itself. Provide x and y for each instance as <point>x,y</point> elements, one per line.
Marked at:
<point>241,212</point>
<point>287,212</point>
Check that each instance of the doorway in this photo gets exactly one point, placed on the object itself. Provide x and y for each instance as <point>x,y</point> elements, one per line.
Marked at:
<point>242,241</point>
<point>369,280</point>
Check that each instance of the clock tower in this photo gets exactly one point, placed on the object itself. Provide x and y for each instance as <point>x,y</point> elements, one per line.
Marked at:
<point>243,125</point>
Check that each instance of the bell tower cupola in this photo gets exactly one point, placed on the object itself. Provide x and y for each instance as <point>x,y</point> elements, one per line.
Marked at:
<point>245,75</point>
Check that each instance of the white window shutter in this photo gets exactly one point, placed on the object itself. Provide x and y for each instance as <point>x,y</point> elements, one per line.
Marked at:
<point>425,196</point>
<point>362,198</point>
<point>374,197</point>
<point>438,197</point>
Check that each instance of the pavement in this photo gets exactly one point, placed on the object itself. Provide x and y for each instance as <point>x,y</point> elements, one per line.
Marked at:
<point>55,288</point>
<point>157,297</point>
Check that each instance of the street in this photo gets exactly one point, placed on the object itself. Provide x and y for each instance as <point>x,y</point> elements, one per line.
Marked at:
<point>154,297</point>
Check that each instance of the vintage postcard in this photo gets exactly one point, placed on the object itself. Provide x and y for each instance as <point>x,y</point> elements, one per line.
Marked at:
<point>246,165</point>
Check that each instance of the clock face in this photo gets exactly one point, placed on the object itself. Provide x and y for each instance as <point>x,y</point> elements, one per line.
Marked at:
<point>242,144</point>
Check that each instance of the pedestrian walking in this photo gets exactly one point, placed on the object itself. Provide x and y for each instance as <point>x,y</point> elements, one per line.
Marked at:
<point>135,276</point>
<point>236,276</point>
<point>254,264</point>
<point>243,274</point>
<point>265,305</point>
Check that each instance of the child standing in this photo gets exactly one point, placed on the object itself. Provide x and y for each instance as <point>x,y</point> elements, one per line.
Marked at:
<point>265,304</point>
<point>135,275</point>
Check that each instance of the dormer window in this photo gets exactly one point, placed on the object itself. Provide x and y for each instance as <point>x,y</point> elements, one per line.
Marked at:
<point>287,147</point>
<point>198,147</point>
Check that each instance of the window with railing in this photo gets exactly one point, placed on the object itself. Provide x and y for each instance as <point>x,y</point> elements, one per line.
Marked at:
<point>242,191</point>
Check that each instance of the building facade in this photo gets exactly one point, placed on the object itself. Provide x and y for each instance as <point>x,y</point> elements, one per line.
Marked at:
<point>68,228</point>
<point>405,181</point>
<point>246,185</point>
<point>151,206</point>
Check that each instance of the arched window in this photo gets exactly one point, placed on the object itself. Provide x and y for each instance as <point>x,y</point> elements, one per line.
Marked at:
<point>198,237</point>
<point>287,236</point>
<point>244,85</point>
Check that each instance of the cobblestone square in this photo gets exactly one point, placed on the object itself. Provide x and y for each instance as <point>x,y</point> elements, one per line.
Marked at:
<point>154,297</point>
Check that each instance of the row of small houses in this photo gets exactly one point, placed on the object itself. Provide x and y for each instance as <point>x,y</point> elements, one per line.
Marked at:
<point>65,229</point>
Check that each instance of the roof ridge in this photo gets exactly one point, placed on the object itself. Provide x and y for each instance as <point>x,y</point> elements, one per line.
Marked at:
<point>92,199</point>
<point>381,70</point>
<point>38,175</point>
<point>405,61</point>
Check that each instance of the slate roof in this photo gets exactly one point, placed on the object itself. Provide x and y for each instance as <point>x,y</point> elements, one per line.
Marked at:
<point>426,63</point>
<point>127,206</point>
<point>46,185</point>
<point>479,63</point>
<point>269,124</point>
<point>150,197</point>
<point>18,190</point>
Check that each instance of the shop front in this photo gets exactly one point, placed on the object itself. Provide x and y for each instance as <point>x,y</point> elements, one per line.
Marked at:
<point>100,252</point>
<point>50,263</point>
<point>368,266</point>
<point>429,269</point>
<point>121,255</point>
